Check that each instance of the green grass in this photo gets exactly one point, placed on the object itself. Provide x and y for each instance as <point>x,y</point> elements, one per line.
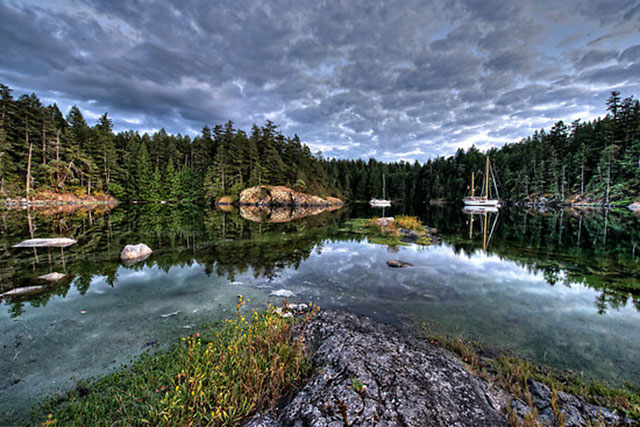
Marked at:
<point>512,374</point>
<point>218,377</point>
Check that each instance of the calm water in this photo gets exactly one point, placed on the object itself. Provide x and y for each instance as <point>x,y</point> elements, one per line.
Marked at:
<point>555,287</point>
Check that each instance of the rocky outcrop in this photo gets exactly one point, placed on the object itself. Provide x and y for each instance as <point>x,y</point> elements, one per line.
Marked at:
<point>277,195</point>
<point>368,374</point>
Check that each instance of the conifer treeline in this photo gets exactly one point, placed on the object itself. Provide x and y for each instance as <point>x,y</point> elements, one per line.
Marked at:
<point>41,149</point>
<point>599,160</point>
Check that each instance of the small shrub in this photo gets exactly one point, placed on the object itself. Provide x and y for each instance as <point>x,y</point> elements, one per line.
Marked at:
<point>409,222</point>
<point>79,192</point>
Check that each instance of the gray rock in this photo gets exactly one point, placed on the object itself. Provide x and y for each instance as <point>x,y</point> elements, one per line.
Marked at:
<point>394,263</point>
<point>541,394</point>
<point>407,381</point>
<point>135,252</point>
<point>572,416</point>
<point>262,421</point>
<point>519,407</point>
<point>598,414</point>
<point>410,236</point>
<point>546,417</point>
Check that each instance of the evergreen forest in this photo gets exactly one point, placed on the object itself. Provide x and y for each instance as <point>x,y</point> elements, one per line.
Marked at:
<point>43,150</point>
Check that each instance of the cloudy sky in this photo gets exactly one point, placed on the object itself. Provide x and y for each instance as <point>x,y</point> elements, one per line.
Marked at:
<point>410,79</point>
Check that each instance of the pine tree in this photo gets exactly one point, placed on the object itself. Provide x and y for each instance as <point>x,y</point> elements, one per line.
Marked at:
<point>144,174</point>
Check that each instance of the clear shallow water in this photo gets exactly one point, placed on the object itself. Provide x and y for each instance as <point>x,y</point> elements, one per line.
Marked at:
<point>534,290</point>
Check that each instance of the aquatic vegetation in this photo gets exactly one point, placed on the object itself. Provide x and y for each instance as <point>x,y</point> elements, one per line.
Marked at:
<point>388,232</point>
<point>219,376</point>
<point>376,232</point>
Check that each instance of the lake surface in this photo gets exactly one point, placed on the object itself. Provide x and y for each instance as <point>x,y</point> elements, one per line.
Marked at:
<point>557,287</point>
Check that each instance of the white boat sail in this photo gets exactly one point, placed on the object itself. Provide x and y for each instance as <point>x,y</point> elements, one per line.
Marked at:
<point>380,202</point>
<point>482,201</point>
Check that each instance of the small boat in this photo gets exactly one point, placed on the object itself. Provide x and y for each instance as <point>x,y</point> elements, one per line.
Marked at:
<point>380,202</point>
<point>483,200</point>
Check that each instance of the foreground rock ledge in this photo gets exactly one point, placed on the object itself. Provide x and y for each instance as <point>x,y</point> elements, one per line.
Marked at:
<point>368,374</point>
<point>406,381</point>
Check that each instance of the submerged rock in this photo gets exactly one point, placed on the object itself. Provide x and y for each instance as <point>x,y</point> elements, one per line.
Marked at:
<point>394,263</point>
<point>135,252</point>
<point>284,293</point>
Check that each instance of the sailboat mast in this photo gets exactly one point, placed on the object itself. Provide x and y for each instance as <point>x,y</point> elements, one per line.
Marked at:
<point>383,198</point>
<point>473,185</point>
<point>486,181</point>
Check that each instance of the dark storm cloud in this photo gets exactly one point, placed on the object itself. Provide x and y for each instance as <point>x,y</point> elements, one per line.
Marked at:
<point>409,79</point>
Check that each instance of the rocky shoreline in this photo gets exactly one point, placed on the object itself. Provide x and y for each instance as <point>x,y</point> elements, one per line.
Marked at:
<point>370,374</point>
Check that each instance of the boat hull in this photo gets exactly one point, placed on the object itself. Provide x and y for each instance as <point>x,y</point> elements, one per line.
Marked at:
<point>380,203</point>
<point>474,210</point>
<point>482,202</point>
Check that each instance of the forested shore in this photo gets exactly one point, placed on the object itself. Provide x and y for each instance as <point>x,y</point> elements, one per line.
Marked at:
<point>43,151</point>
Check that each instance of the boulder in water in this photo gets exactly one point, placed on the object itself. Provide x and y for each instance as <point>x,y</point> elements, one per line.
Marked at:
<point>135,252</point>
<point>18,292</point>
<point>45,243</point>
<point>52,277</point>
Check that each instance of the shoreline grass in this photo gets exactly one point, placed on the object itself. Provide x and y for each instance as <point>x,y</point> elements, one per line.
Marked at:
<point>512,373</point>
<point>219,376</point>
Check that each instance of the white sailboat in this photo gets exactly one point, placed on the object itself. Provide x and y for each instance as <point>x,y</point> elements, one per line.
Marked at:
<point>380,202</point>
<point>483,201</point>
